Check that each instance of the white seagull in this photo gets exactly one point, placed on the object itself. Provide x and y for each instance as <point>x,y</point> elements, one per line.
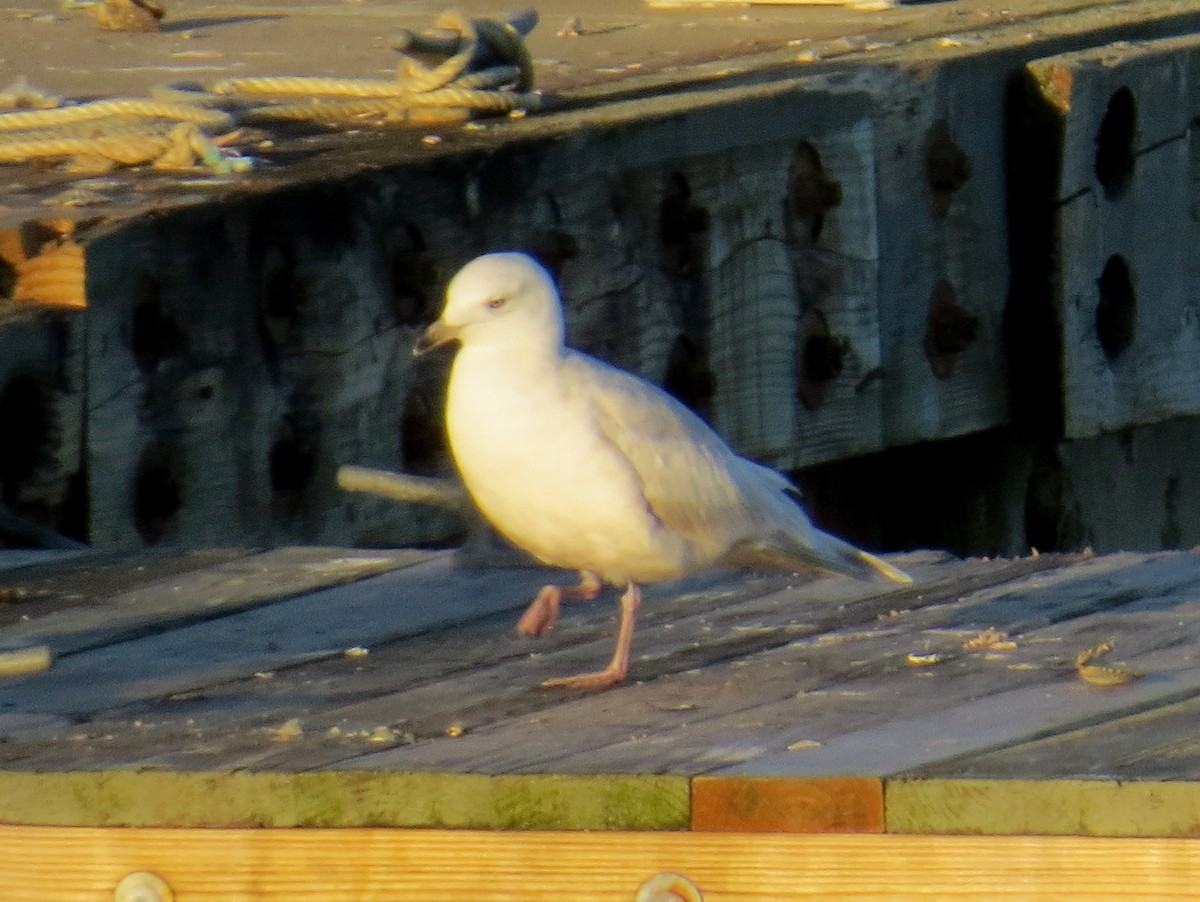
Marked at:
<point>590,468</point>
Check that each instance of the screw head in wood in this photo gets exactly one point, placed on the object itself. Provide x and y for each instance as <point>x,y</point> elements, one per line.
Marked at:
<point>143,886</point>
<point>668,888</point>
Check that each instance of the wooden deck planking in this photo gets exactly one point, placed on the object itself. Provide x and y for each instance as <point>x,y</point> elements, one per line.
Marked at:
<point>83,616</point>
<point>471,675</point>
<point>737,680</point>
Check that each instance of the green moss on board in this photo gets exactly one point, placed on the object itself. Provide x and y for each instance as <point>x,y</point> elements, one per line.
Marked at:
<point>345,799</point>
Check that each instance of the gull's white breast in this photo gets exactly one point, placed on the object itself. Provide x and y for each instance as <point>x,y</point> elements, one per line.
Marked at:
<point>533,457</point>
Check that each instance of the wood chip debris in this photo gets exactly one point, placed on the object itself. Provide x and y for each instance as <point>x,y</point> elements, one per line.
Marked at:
<point>925,660</point>
<point>991,639</point>
<point>25,661</point>
<point>1099,675</point>
<point>803,744</point>
<point>290,730</point>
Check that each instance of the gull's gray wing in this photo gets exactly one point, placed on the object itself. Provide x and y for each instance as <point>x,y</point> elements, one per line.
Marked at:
<point>686,471</point>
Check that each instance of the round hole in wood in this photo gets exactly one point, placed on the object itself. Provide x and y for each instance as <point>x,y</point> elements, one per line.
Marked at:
<point>157,492</point>
<point>292,464</point>
<point>949,330</point>
<point>680,220</point>
<point>422,434</point>
<point>811,192</point>
<point>688,377</point>
<point>283,296</point>
<point>412,276</point>
<point>8,278</point>
<point>1115,156</point>
<point>31,435</point>
<point>154,333</point>
<point>947,168</point>
<point>821,358</point>
<point>1116,311</point>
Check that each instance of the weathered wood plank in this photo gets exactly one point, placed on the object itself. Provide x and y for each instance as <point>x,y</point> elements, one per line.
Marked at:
<point>729,662</point>
<point>1147,624</point>
<point>1044,807</point>
<point>1156,744</point>
<point>787,805</point>
<point>1125,292</point>
<point>83,621</point>
<point>491,866</point>
<point>314,625</point>
<point>742,714</point>
<point>129,798</point>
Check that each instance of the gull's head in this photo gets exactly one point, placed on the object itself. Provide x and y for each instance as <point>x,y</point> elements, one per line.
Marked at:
<point>498,299</point>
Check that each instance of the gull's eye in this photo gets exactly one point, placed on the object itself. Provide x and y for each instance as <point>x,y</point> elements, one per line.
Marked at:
<point>496,303</point>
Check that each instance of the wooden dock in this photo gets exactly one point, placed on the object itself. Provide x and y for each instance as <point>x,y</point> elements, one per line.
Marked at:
<point>779,737</point>
<point>861,244</point>
<point>938,261</point>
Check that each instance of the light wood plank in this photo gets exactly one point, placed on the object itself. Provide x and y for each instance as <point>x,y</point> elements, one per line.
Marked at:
<point>1048,807</point>
<point>345,799</point>
<point>83,865</point>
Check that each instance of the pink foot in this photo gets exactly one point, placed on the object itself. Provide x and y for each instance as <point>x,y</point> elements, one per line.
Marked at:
<point>619,665</point>
<point>601,679</point>
<point>541,615</point>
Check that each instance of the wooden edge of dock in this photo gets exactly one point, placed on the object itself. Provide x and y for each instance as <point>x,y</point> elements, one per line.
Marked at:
<point>93,863</point>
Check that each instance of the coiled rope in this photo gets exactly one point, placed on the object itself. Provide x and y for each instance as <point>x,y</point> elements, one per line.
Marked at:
<point>485,68</point>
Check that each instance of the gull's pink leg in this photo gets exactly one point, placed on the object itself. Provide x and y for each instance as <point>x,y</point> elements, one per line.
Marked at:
<point>542,613</point>
<point>619,665</point>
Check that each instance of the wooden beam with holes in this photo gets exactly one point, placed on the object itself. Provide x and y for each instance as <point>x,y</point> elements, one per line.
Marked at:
<point>1104,132</point>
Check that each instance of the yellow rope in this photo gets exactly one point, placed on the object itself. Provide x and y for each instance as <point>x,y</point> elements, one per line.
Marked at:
<point>486,68</point>
<point>216,120</point>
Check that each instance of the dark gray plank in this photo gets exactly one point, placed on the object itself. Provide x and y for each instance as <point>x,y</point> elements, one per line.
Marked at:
<point>324,623</point>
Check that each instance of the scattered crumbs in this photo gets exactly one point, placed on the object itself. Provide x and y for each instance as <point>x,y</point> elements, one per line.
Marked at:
<point>383,733</point>
<point>455,730</point>
<point>924,660</point>
<point>291,729</point>
<point>572,28</point>
<point>196,54</point>
<point>991,639</point>
<point>357,651</point>
<point>1099,675</point>
<point>25,661</point>
<point>730,754</point>
<point>802,744</point>
<point>334,732</point>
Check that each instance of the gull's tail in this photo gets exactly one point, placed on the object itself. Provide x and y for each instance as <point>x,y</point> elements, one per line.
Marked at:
<point>789,538</point>
<point>817,550</point>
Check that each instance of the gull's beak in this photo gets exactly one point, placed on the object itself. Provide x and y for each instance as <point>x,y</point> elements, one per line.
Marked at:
<point>434,337</point>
